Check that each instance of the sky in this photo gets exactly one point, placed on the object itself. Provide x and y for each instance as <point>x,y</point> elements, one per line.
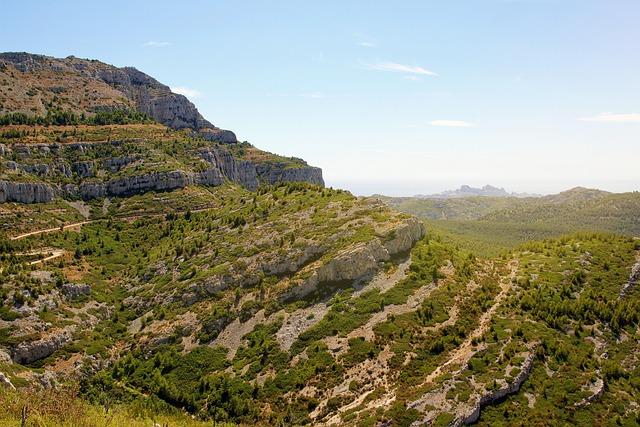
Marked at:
<point>399,98</point>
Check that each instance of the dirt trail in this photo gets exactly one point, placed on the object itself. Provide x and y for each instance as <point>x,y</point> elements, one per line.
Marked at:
<point>463,354</point>
<point>90,221</point>
<point>55,253</point>
<point>52,230</point>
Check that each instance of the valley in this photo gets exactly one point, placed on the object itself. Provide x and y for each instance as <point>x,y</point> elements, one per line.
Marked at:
<point>156,271</point>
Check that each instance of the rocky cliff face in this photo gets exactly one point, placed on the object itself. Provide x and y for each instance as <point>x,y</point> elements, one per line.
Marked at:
<point>361,259</point>
<point>114,88</point>
<point>280,173</point>
<point>26,192</point>
<point>80,170</point>
<point>240,171</point>
<point>222,166</point>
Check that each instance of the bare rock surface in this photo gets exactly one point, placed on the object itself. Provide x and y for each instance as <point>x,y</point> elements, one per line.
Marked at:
<point>28,352</point>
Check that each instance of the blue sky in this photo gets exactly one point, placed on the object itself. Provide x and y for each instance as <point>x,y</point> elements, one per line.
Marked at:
<point>398,97</point>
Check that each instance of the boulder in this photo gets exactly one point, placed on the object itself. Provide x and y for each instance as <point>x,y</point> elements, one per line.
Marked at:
<point>28,352</point>
<point>75,290</point>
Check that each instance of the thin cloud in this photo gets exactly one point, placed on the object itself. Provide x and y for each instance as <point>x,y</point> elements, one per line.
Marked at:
<point>319,58</point>
<point>401,68</point>
<point>413,78</point>
<point>364,40</point>
<point>613,118</point>
<point>451,123</point>
<point>188,92</point>
<point>313,95</point>
<point>153,43</point>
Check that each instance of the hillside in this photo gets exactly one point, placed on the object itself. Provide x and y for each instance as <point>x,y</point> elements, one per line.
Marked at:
<point>42,164</point>
<point>150,274</point>
<point>37,85</point>
<point>185,319</point>
<point>488,225</point>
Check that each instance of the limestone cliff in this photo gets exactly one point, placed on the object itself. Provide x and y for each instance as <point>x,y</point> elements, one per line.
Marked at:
<point>54,166</point>
<point>25,192</point>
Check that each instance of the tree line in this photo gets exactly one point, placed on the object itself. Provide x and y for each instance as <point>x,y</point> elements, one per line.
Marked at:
<point>62,118</point>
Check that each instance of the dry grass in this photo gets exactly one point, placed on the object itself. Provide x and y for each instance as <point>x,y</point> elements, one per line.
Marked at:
<point>63,408</point>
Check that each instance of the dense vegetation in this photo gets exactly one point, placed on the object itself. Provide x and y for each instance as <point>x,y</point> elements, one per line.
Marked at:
<point>563,305</point>
<point>490,225</point>
<point>181,306</point>
<point>58,117</point>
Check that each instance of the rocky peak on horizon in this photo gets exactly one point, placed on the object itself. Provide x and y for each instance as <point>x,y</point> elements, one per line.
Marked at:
<point>469,191</point>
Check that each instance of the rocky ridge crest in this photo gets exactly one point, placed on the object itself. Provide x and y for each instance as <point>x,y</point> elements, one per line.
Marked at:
<point>37,80</point>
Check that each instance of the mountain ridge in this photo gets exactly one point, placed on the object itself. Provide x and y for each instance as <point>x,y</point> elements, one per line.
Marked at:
<point>88,86</point>
<point>70,134</point>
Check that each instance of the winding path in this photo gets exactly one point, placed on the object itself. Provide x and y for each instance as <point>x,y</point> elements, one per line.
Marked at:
<point>52,230</point>
<point>55,253</point>
<point>90,221</point>
<point>463,354</point>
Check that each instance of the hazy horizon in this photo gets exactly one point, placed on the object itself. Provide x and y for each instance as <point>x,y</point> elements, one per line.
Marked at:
<point>408,189</point>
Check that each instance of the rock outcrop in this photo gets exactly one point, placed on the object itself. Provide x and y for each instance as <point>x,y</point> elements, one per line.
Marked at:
<point>74,291</point>
<point>498,394</point>
<point>402,238</point>
<point>598,391</point>
<point>223,166</point>
<point>361,259</point>
<point>5,357</point>
<point>240,171</point>
<point>28,352</point>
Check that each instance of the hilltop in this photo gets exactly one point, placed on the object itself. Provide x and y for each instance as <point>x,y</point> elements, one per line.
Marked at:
<point>495,223</point>
<point>36,85</point>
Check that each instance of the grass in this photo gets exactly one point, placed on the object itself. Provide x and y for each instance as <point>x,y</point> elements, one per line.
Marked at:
<point>64,408</point>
